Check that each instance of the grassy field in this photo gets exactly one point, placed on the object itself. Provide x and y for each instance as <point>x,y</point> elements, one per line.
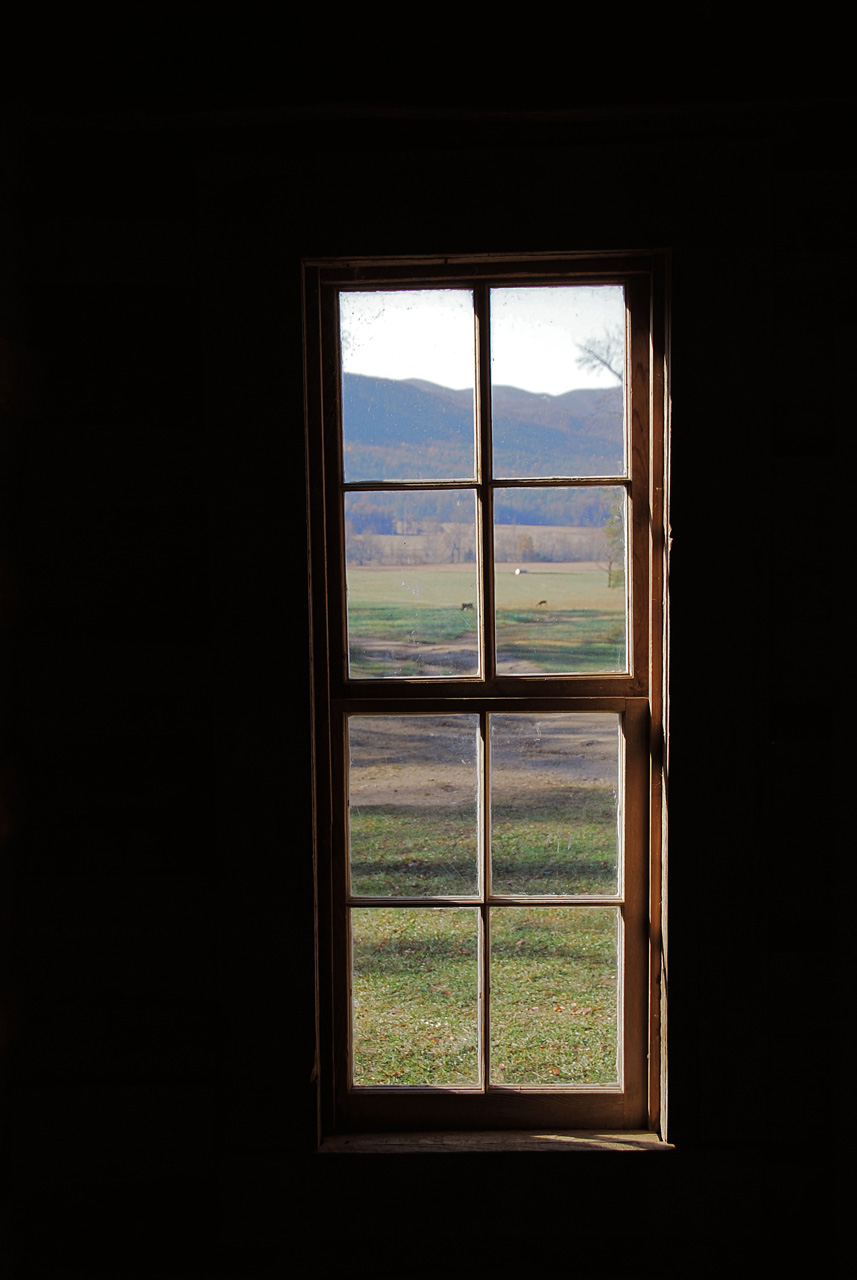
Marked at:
<point>553,979</point>
<point>406,621</point>
<point>564,585</point>
<point>421,851</point>
<point>560,840</point>
<point>415,995</point>
<point>553,970</point>
<point>553,995</point>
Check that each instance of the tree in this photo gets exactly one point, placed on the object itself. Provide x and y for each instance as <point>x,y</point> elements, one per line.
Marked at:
<point>614,545</point>
<point>607,352</point>
<point>524,549</point>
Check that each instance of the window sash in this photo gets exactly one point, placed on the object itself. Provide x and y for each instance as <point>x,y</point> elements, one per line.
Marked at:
<point>336,697</point>
<point>630,899</point>
<point>635,484</point>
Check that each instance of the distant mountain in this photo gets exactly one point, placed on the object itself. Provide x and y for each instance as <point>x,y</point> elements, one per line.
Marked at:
<point>405,430</point>
<point>417,430</point>
<point>579,433</point>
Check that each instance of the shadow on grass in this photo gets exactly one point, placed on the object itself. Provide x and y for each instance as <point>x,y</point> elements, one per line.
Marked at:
<point>579,875</point>
<point>432,879</point>
<point>418,957</point>
<point>410,955</point>
<point>573,806</point>
<point>379,878</point>
<point>563,843</point>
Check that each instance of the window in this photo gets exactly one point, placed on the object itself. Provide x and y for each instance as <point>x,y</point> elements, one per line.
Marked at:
<point>486,477</point>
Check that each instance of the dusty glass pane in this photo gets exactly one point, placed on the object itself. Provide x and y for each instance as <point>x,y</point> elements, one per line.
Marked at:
<point>557,366</point>
<point>415,1001</point>
<point>555,804</point>
<point>554,995</point>
<point>560,599</point>
<point>408,373</point>
<point>412,805</point>
<point>411,577</point>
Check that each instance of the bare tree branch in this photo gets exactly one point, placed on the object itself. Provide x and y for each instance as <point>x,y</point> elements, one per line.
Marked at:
<point>603,353</point>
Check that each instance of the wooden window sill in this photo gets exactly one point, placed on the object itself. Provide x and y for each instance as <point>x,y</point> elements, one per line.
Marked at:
<point>494,1142</point>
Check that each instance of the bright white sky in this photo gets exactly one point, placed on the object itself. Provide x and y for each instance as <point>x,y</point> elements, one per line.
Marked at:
<point>429,334</point>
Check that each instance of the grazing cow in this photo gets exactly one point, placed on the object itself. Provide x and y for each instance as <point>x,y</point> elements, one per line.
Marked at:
<point>468,605</point>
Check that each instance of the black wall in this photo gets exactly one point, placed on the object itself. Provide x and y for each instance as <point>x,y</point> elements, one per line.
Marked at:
<point>156,857</point>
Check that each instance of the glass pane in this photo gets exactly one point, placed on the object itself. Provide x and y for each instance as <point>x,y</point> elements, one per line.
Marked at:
<point>557,365</point>
<point>555,804</point>
<point>559,584</point>
<point>408,373</point>
<point>415,996</point>
<point>554,995</point>
<point>411,577</point>
<point>413,805</point>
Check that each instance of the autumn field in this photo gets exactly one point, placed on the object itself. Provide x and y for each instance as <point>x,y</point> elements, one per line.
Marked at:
<point>422,620</point>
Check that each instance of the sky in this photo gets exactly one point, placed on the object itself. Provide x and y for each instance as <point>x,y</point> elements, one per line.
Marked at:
<point>428,334</point>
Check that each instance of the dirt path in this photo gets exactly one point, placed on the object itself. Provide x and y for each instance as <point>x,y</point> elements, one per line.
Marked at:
<point>430,759</point>
<point>460,657</point>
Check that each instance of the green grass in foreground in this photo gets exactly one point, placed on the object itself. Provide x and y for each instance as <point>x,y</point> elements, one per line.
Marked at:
<point>415,996</point>
<point>555,841</point>
<point>561,840</point>
<point>413,850</point>
<point>553,995</point>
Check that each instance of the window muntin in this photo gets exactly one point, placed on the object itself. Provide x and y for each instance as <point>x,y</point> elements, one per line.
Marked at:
<point>491,689</point>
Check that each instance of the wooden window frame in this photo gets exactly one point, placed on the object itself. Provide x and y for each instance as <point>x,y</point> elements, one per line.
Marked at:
<point>638,696</point>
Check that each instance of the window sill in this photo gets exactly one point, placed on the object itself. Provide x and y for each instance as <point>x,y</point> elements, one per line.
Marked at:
<point>495,1142</point>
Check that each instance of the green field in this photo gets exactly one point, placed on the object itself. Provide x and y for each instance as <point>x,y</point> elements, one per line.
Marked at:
<point>553,976</point>
<point>556,618</point>
<point>561,841</point>
<point>553,969</point>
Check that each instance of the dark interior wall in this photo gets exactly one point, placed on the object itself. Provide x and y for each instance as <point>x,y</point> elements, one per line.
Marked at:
<point>157,862</point>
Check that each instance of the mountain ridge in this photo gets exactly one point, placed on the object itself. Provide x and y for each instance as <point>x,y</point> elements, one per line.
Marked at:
<point>392,428</point>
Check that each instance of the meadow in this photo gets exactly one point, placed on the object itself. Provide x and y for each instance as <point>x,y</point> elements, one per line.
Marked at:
<point>560,840</point>
<point>552,970</point>
<point>413,833</point>
<point>410,620</point>
<point>553,993</point>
